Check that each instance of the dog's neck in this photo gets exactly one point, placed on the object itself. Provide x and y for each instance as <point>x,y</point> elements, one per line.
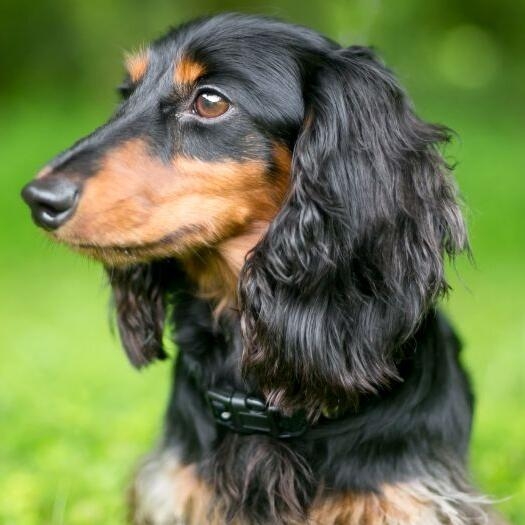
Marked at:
<point>215,270</point>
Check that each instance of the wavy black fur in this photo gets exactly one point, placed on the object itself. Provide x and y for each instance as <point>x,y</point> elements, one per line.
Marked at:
<point>355,258</point>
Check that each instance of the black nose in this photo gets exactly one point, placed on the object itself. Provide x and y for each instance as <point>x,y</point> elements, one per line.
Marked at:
<point>52,200</point>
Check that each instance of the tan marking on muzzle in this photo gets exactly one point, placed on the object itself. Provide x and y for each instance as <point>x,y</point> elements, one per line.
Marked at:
<point>136,202</point>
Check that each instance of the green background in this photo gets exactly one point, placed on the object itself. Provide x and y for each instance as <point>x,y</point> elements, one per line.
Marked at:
<point>74,416</point>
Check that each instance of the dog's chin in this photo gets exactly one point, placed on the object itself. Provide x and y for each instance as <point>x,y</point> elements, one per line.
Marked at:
<point>116,256</point>
<point>121,256</point>
<point>178,244</point>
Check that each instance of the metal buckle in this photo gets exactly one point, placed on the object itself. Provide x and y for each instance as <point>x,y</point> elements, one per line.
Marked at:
<point>250,415</point>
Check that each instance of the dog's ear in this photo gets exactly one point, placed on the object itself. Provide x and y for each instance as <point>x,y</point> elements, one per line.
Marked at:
<point>354,259</point>
<point>139,302</point>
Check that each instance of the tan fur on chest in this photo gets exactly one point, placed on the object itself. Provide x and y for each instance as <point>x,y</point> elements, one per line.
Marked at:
<point>419,502</point>
<point>394,506</point>
<point>165,492</point>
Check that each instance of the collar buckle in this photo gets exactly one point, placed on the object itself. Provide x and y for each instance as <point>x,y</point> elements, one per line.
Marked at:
<point>247,414</point>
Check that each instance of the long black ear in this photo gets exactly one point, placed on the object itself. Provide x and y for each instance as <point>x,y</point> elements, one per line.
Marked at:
<point>139,297</point>
<point>355,257</point>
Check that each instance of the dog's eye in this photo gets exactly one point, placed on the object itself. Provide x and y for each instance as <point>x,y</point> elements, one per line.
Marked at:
<point>210,105</point>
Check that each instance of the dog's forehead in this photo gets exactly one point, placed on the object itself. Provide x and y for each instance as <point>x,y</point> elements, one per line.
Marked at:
<point>254,48</point>
<point>239,55</point>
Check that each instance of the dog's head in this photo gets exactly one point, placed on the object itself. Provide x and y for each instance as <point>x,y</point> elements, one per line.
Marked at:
<point>297,163</point>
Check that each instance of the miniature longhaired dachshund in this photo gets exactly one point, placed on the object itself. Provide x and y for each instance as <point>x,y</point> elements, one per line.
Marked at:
<point>273,198</point>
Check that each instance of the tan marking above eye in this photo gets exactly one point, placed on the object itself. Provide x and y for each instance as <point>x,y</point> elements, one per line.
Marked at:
<point>210,105</point>
<point>187,71</point>
<point>137,64</point>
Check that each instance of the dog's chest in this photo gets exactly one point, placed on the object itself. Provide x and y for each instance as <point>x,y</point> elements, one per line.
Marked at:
<point>168,493</point>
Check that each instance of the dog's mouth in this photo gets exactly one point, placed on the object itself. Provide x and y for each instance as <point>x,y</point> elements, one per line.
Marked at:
<point>174,244</point>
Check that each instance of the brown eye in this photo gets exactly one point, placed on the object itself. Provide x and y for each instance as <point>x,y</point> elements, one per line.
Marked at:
<point>210,105</point>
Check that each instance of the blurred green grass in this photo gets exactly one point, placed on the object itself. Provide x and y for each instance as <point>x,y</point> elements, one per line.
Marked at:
<point>75,416</point>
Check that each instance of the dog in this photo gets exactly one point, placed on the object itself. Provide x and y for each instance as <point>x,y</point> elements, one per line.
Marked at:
<point>274,199</point>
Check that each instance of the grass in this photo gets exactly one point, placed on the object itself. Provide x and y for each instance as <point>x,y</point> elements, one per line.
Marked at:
<point>75,416</point>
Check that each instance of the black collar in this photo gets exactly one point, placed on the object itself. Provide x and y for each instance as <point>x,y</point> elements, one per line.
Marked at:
<point>247,414</point>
